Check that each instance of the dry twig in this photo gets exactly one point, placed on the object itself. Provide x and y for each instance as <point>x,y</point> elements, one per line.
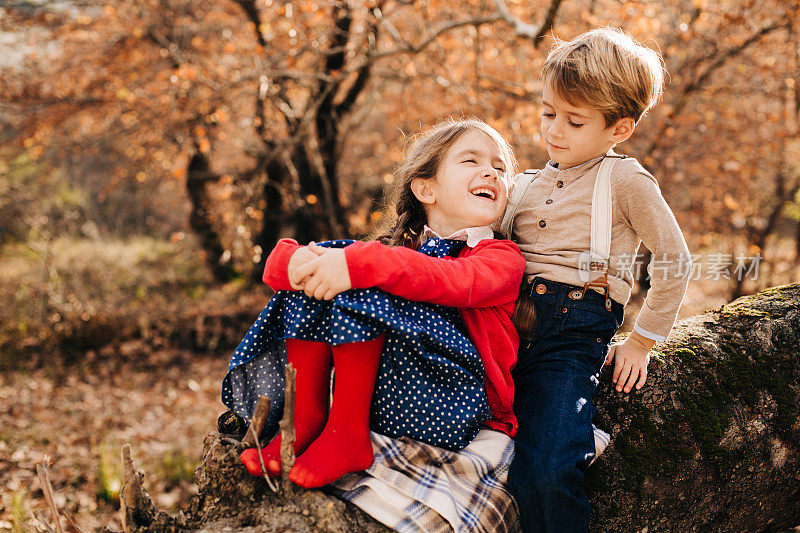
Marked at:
<point>264,472</point>
<point>287,429</point>
<point>40,523</point>
<point>47,490</point>
<point>257,422</point>
<point>73,526</point>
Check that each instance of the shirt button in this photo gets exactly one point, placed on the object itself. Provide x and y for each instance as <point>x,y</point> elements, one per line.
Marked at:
<point>559,184</point>
<point>542,223</point>
<point>565,310</point>
<point>549,201</point>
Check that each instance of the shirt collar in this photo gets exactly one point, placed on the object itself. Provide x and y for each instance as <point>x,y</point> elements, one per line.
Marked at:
<point>576,170</point>
<point>471,235</point>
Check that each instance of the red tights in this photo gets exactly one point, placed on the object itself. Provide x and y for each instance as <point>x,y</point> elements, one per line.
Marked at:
<point>327,445</point>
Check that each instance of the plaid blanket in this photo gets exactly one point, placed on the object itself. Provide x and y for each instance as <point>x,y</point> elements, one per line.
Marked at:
<point>412,486</point>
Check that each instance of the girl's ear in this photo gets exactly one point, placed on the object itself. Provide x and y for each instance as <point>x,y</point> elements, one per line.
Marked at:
<point>423,191</point>
<point>623,129</point>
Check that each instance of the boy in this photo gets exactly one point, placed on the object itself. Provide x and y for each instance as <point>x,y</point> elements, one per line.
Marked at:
<point>596,88</point>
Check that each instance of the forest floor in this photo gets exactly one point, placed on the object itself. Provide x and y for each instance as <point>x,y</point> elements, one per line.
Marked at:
<point>80,416</point>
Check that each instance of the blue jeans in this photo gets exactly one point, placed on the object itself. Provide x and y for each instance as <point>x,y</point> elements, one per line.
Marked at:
<point>555,379</point>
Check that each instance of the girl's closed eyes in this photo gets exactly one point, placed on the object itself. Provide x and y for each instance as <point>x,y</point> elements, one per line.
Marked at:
<point>499,169</point>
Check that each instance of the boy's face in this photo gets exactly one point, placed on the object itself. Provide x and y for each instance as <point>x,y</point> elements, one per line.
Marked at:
<point>574,135</point>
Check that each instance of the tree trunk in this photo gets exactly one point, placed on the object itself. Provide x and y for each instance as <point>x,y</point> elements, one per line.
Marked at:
<point>797,238</point>
<point>197,177</point>
<point>296,206</point>
<point>712,443</point>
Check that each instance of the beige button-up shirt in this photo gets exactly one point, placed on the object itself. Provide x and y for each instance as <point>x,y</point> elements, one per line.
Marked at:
<point>553,228</point>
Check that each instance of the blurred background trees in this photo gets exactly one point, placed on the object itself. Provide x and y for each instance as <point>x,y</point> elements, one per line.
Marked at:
<point>221,127</point>
<point>152,151</point>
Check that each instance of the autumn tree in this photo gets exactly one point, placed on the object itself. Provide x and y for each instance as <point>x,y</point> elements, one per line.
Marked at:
<point>248,121</point>
<point>725,128</point>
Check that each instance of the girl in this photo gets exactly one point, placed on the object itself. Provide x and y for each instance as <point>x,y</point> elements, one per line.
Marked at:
<point>418,327</point>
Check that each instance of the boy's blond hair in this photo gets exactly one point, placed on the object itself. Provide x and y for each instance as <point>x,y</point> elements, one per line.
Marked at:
<point>607,70</point>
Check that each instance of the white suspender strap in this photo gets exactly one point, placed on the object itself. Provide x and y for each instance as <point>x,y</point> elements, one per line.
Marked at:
<point>518,190</point>
<point>600,245</point>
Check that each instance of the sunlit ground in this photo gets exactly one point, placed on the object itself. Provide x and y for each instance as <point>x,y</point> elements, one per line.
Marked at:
<point>81,416</point>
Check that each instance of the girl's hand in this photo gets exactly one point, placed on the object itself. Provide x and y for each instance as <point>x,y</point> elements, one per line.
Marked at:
<point>632,357</point>
<point>327,275</point>
<point>301,257</point>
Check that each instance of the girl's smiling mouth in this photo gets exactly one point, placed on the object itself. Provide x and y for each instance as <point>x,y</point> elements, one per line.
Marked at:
<point>484,192</point>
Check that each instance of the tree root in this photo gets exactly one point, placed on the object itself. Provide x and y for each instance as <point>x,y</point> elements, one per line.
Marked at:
<point>139,513</point>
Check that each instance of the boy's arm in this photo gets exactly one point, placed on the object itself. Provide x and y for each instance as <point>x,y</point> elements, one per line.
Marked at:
<point>489,276</point>
<point>652,220</point>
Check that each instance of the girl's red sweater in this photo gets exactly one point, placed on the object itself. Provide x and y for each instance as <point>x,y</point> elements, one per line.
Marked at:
<point>482,282</point>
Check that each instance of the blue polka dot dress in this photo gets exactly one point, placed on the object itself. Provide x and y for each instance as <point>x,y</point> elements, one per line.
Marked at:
<point>429,385</point>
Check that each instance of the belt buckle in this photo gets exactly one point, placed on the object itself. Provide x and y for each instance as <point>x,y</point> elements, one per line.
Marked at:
<point>601,282</point>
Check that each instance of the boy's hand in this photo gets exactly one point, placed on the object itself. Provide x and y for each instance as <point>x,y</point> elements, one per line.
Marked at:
<point>631,358</point>
<point>327,274</point>
<point>299,258</point>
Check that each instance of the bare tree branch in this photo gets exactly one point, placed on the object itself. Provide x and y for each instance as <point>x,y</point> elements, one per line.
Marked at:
<point>365,72</point>
<point>548,22</point>
<point>314,154</point>
<point>177,59</point>
<point>521,28</point>
<point>407,47</point>
<point>296,75</point>
<point>698,81</point>
<point>249,7</point>
<point>525,29</point>
<point>288,430</point>
<point>28,106</point>
<point>513,90</point>
<point>257,421</point>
